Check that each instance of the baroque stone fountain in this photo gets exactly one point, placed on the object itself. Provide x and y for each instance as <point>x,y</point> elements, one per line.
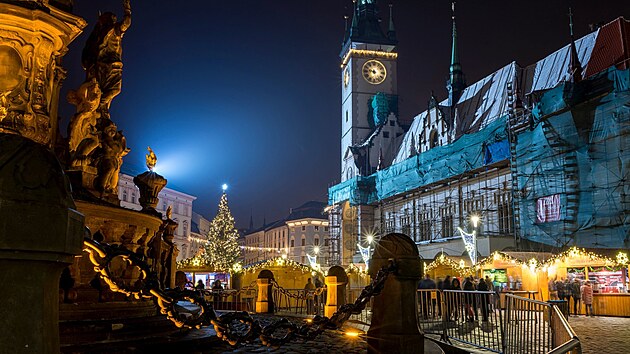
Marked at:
<point>43,228</point>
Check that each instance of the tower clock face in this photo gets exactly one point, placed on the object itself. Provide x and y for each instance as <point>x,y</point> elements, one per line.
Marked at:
<point>346,77</point>
<point>374,72</point>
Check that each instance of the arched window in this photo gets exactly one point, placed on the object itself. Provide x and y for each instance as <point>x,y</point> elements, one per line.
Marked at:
<point>124,195</point>
<point>185,225</point>
<point>133,198</point>
<point>292,242</point>
<point>433,139</point>
<point>316,241</point>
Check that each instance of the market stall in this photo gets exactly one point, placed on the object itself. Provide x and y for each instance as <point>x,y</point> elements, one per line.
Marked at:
<point>609,276</point>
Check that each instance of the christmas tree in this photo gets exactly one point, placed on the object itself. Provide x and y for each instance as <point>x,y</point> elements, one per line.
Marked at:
<point>222,250</point>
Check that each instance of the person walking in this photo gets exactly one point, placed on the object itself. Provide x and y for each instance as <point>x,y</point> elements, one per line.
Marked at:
<point>553,290</point>
<point>309,292</point>
<point>587,297</point>
<point>576,293</point>
<point>217,288</point>
<point>470,300</point>
<point>484,298</point>
<point>426,287</point>
<point>455,303</point>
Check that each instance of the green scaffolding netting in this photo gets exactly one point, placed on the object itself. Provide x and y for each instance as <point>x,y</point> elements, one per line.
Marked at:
<point>466,154</point>
<point>582,155</point>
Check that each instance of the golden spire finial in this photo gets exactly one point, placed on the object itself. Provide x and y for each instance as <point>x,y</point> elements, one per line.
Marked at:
<point>151,159</point>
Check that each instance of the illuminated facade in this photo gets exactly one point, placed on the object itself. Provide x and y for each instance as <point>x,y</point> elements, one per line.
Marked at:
<point>301,234</point>
<point>181,204</point>
<point>514,150</point>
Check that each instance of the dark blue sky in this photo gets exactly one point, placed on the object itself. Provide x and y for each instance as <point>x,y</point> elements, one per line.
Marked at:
<point>247,92</point>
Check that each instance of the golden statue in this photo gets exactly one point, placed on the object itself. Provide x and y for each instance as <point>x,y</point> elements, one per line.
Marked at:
<point>169,212</point>
<point>102,55</point>
<point>151,159</point>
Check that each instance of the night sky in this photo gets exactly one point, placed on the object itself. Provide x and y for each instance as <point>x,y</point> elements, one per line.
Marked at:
<point>248,93</point>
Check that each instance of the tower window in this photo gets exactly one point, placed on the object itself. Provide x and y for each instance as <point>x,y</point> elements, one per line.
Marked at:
<point>392,123</point>
<point>347,116</point>
<point>385,135</point>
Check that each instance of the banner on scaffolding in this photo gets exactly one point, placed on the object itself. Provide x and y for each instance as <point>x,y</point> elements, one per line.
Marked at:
<point>548,208</point>
<point>470,244</point>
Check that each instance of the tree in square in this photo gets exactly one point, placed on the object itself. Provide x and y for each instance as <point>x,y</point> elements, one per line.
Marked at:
<point>222,249</point>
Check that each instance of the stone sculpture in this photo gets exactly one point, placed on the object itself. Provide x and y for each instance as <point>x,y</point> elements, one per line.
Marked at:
<point>113,148</point>
<point>102,55</point>
<point>83,135</point>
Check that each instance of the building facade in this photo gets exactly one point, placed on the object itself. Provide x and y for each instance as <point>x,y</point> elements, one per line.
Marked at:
<point>181,205</point>
<point>303,233</point>
<point>526,159</point>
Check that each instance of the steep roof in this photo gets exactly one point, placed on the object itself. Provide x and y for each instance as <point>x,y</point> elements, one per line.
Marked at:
<point>486,100</point>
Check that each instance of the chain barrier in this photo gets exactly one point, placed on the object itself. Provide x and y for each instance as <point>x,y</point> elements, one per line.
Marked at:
<point>228,326</point>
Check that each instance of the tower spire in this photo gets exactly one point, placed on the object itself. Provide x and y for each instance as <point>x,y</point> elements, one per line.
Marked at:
<point>391,31</point>
<point>575,67</point>
<point>456,82</point>
<point>354,28</point>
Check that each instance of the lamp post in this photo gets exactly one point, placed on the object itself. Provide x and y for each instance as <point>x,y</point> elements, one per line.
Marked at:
<point>475,221</point>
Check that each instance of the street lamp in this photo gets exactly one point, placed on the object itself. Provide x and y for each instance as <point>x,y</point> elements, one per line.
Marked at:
<point>475,220</point>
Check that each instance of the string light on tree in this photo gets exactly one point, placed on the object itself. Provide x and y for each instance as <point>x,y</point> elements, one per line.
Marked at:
<point>222,249</point>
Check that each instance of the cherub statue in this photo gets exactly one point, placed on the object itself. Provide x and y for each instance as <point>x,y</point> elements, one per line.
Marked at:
<point>102,55</point>
<point>83,135</point>
<point>114,146</point>
<point>151,159</point>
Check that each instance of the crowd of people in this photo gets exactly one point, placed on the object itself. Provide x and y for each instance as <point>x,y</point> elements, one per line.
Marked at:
<point>468,304</point>
<point>572,291</point>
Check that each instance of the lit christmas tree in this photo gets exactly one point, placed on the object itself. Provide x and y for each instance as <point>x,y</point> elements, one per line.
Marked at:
<point>222,249</point>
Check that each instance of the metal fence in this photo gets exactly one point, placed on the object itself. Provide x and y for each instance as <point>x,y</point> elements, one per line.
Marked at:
<point>527,325</point>
<point>472,318</point>
<point>476,319</point>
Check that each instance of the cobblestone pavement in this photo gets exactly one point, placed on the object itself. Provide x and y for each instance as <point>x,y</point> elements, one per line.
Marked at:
<point>328,342</point>
<point>602,335</point>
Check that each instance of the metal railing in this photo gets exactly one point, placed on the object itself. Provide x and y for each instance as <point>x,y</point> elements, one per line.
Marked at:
<point>365,316</point>
<point>475,319</point>
<point>563,337</point>
<point>470,318</point>
<point>527,326</point>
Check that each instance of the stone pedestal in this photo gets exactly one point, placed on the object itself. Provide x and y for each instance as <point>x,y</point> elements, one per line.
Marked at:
<point>336,282</point>
<point>263,300</point>
<point>394,327</point>
<point>40,234</point>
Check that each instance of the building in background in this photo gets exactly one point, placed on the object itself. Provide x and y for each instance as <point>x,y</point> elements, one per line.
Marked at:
<point>527,158</point>
<point>303,233</point>
<point>181,204</point>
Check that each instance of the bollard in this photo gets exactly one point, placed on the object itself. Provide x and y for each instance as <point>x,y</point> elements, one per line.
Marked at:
<point>336,290</point>
<point>264,302</point>
<point>394,327</point>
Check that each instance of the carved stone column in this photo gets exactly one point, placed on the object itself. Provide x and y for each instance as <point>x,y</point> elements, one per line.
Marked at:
<point>33,39</point>
<point>40,233</point>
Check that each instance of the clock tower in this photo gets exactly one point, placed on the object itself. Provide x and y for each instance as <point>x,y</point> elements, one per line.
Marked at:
<point>369,123</point>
